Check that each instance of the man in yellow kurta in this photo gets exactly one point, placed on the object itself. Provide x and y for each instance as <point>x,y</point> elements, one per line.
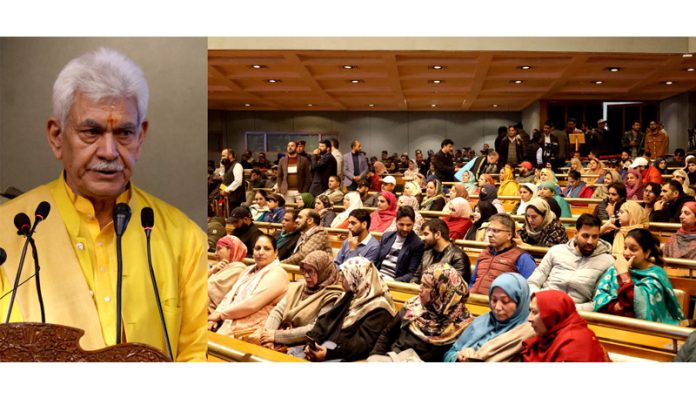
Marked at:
<point>97,130</point>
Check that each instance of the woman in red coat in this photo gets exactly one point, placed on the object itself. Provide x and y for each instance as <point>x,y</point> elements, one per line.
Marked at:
<point>459,219</point>
<point>561,333</point>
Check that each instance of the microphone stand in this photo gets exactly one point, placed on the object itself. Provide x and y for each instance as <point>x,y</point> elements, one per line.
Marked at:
<point>157,296</point>
<point>35,255</point>
<point>119,287</point>
<point>16,281</point>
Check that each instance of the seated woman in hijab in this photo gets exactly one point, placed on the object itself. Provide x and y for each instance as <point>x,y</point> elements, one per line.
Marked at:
<point>637,286</point>
<point>325,208</point>
<point>413,203</point>
<point>350,329</point>
<point>545,175</point>
<point>631,216</point>
<point>434,199</point>
<point>458,191</point>
<point>527,191</point>
<point>634,185</point>
<point>429,323</point>
<point>541,227</point>
<point>351,201</point>
<point>484,179</point>
<point>602,191</point>
<point>561,333</point>
<point>683,178</point>
<point>549,190</point>
<point>576,164</point>
<point>508,185</point>
<point>596,168</point>
<point>497,336</point>
<point>304,302</point>
<point>411,173</point>
<point>489,194</point>
<point>469,182</point>
<point>385,214</point>
<point>480,215</point>
<point>260,206</point>
<point>230,251</point>
<point>276,209</point>
<point>459,219</point>
<point>683,243</point>
<point>411,188</point>
<point>243,311</point>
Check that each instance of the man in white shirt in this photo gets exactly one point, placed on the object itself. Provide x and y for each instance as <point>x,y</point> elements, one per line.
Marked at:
<point>233,179</point>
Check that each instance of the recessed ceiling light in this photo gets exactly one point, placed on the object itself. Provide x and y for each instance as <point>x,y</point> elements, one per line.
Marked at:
<point>436,81</point>
<point>310,105</point>
<point>438,67</point>
<point>433,105</point>
<point>258,66</point>
<point>525,67</point>
<point>669,83</point>
<point>356,81</point>
<point>349,67</point>
<point>598,82</point>
<point>371,105</point>
<point>247,104</point>
<point>687,55</point>
<point>690,69</point>
<point>517,81</point>
<point>614,69</point>
<point>272,81</point>
<point>495,105</point>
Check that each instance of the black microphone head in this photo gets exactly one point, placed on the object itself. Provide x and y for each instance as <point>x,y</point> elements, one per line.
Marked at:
<point>147,217</point>
<point>122,214</point>
<point>42,210</point>
<point>3,256</point>
<point>22,223</point>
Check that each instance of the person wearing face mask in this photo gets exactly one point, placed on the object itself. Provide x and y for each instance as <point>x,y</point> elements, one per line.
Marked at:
<point>427,324</point>
<point>497,336</point>
<point>637,286</point>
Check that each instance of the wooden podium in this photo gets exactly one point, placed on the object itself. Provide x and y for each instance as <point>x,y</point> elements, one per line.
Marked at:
<point>45,342</point>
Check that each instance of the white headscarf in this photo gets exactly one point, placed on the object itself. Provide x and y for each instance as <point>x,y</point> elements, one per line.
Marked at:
<point>355,203</point>
<point>523,204</point>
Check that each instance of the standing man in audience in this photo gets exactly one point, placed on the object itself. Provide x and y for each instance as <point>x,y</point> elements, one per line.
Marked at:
<point>575,267</point>
<point>656,140</point>
<point>668,208</point>
<point>312,236</point>
<point>339,159</point>
<point>443,161</point>
<point>294,175</point>
<point>233,179</point>
<point>594,139</point>
<point>286,239</point>
<point>502,255</point>
<point>301,149</point>
<point>244,228</point>
<point>633,140</point>
<point>97,129</point>
<point>550,147</point>
<point>360,242</point>
<point>334,191</point>
<point>513,147</point>
<point>439,249</point>
<point>563,142</point>
<point>323,166</point>
<point>355,166</point>
<point>400,251</point>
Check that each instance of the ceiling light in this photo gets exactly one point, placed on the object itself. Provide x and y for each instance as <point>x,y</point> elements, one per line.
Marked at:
<point>433,105</point>
<point>349,67</point>
<point>517,81</point>
<point>690,69</point>
<point>525,67</point>
<point>247,104</point>
<point>258,66</point>
<point>495,105</point>
<point>437,67</point>
<point>356,81</point>
<point>687,55</point>
<point>436,81</point>
<point>272,81</point>
<point>310,105</point>
<point>669,83</point>
<point>614,69</point>
<point>371,105</point>
<point>598,82</point>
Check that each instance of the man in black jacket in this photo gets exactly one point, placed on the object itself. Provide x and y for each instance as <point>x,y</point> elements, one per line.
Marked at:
<point>443,161</point>
<point>671,200</point>
<point>400,251</point>
<point>323,166</point>
<point>439,249</point>
<point>244,228</point>
<point>513,148</point>
<point>287,237</point>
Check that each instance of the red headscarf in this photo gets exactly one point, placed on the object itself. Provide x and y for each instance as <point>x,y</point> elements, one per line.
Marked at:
<point>635,192</point>
<point>380,220</point>
<point>692,206</point>
<point>567,337</point>
<point>238,249</point>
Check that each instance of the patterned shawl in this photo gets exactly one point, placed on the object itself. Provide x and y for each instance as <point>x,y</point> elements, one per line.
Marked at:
<point>542,207</point>
<point>368,289</point>
<point>428,200</point>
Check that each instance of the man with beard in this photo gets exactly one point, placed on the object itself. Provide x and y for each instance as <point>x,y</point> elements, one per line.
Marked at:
<point>576,266</point>
<point>439,249</point>
<point>422,163</point>
<point>400,251</point>
<point>656,140</point>
<point>672,197</point>
<point>294,175</point>
<point>244,228</point>
<point>360,242</point>
<point>287,237</point>
<point>233,179</point>
<point>312,236</point>
<point>513,147</point>
<point>443,161</point>
<point>633,141</point>
<point>355,166</point>
<point>323,167</point>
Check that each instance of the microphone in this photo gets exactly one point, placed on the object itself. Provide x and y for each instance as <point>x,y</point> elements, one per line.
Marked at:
<point>23,224</point>
<point>121,216</point>
<point>40,214</point>
<point>147,219</point>
<point>3,256</point>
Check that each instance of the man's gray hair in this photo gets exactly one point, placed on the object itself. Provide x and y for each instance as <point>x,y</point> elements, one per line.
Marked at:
<point>104,73</point>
